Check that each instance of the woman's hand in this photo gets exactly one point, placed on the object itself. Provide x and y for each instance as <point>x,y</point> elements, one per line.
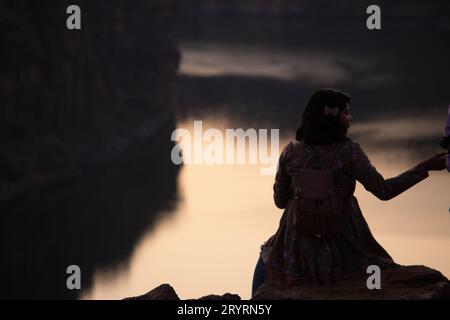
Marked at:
<point>436,162</point>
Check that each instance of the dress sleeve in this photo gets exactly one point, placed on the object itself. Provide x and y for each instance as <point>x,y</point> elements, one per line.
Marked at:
<point>282,185</point>
<point>373,181</point>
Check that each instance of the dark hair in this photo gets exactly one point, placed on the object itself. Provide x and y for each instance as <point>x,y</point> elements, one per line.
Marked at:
<point>318,128</point>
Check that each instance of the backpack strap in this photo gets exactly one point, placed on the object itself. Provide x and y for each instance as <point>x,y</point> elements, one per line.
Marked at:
<point>328,157</point>
<point>300,146</point>
<point>331,155</point>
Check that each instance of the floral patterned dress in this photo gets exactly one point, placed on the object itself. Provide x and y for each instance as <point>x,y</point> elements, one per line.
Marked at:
<point>291,258</point>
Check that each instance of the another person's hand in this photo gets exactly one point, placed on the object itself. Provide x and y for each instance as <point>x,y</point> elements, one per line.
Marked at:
<point>436,162</point>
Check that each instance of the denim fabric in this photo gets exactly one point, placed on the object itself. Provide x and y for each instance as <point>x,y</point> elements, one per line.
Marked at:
<point>258,276</point>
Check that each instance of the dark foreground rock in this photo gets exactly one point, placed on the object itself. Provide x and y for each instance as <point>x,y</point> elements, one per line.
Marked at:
<point>163,292</point>
<point>166,292</point>
<point>402,283</point>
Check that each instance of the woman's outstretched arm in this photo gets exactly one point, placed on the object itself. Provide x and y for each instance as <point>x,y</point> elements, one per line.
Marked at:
<point>373,181</point>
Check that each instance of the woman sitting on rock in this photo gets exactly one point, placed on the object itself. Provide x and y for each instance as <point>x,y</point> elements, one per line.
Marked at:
<point>323,236</point>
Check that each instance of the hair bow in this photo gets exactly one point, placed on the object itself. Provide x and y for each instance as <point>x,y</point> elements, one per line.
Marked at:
<point>334,111</point>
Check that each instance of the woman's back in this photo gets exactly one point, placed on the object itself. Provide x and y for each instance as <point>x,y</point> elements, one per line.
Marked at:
<point>350,163</point>
<point>291,257</point>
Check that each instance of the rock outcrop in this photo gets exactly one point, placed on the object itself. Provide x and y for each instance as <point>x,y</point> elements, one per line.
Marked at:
<point>163,292</point>
<point>402,283</point>
<point>166,292</point>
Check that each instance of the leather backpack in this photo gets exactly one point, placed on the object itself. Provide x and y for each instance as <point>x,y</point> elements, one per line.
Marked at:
<point>317,202</point>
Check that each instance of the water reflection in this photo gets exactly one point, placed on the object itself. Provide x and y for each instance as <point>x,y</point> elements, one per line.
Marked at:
<point>92,221</point>
<point>211,243</point>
